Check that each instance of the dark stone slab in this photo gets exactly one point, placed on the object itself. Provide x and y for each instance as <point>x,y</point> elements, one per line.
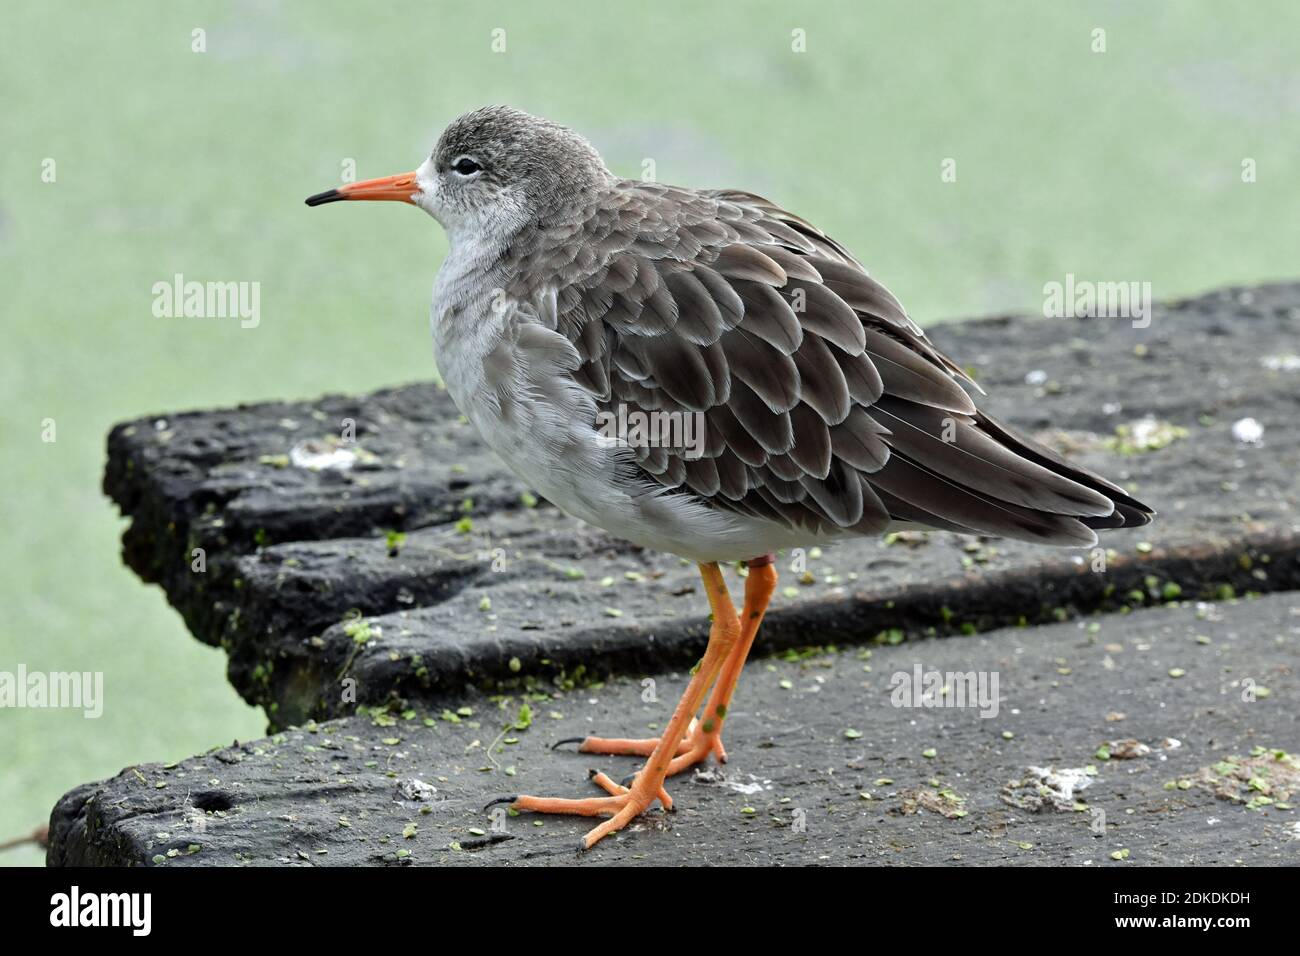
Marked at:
<point>811,739</point>
<point>487,592</point>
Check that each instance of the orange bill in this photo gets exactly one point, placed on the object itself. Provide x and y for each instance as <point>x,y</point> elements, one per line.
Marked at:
<point>400,188</point>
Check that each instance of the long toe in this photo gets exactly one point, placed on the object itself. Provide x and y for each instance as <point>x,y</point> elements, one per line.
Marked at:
<point>622,806</point>
<point>628,746</point>
<point>588,807</point>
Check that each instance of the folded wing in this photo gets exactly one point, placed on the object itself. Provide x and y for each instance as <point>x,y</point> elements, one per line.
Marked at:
<point>824,406</point>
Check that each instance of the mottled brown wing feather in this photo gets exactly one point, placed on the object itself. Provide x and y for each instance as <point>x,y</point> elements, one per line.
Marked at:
<point>824,405</point>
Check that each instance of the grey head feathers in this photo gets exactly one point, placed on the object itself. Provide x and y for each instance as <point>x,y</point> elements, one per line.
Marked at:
<point>545,163</point>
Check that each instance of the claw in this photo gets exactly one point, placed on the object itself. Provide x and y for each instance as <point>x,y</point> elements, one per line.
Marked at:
<point>493,803</point>
<point>568,740</point>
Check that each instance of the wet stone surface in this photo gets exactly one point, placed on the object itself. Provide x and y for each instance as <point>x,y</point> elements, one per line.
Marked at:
<point>406,572</point>
<point>823,767</point>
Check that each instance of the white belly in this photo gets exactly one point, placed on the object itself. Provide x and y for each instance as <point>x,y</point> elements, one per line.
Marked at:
<point>510,376</point>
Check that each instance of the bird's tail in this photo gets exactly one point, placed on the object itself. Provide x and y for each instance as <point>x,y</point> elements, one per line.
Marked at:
<point>1128,513</point>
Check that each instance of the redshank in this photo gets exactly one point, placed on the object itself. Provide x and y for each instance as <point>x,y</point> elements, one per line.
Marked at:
<point>822,409</point>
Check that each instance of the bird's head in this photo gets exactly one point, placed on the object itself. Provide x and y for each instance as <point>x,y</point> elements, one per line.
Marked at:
<point>493,171</point>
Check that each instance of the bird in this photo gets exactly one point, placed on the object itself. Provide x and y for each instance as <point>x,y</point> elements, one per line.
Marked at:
<point>819,409</point>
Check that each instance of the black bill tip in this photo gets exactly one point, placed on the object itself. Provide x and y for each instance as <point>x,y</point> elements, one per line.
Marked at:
<point>330,195</point>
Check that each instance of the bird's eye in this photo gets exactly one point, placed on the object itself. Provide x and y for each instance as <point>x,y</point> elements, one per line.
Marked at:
<point>466,166</point>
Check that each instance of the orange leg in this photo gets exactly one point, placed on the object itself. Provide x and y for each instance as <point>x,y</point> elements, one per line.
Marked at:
<point>624,804</point>
<point>707,738</point>
<point>703,737</point>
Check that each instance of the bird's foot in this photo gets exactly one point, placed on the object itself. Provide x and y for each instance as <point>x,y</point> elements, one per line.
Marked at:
<point>623,804</point>
<point>701,740</point>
